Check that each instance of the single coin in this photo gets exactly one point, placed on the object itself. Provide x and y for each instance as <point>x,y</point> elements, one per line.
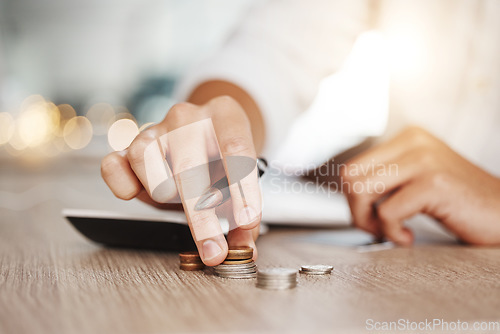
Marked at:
<point>232,262</point>
<point>192,266</point>
<point>316,268</point>
<point>239,253</point>
<point>190,257</point>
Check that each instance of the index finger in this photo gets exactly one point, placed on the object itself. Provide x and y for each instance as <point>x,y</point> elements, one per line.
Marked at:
<point>234,135</point>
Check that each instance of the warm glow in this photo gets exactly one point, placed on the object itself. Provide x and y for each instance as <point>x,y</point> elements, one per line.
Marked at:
<point>32,100</point>
<point>66,113</point>
<point>6,127</point>
<point>122,133</point>
<point>406,52</point>
<point>350,105</point>
<point>38,124</point>
<point>78,132</point>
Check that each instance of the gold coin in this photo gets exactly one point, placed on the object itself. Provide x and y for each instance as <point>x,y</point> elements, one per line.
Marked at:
<point>239,253</point>
<point>192,266</point>
<point>190,257</point>
<point>237,261</point>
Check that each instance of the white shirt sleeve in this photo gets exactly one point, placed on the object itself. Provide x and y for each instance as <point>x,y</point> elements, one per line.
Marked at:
<point>280,53</point>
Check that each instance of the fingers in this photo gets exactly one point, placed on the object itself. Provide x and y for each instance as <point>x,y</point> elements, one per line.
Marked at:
<point>374,175</point>
<point>236,144</point>
<point>410,138</point>
<point>411,199</point>
<point>119,176</point>
<point>146,156</point>
<point>188,154</point>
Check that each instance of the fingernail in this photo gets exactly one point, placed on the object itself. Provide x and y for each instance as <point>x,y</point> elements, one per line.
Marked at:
<point>247,216</point>
<point>211,249</point>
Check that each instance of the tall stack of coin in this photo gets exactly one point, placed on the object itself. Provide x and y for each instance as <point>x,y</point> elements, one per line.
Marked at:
<point>191,261</point>
<point>277,278</point>
<point>238,264</point>
<point>318,269</point>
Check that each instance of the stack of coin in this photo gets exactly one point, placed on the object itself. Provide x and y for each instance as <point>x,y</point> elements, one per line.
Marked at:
<point>319,269</point>
<point>238,264</point>
<point>191,261</point>
<point>277,278</point>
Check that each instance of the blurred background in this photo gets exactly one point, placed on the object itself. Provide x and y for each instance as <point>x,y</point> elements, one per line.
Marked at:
<point>72,71</point>
<point>79,79</point>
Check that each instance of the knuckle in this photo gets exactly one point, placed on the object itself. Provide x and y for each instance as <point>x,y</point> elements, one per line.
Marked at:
<point>199,220</point>
<point>418,136</point>
<point>179,111</point>
<point>237,145</point>
<point>425,157</point>
<point>225,100</point>
<point>138,147</point>
<point>185,164</point>
<point>438,180</point>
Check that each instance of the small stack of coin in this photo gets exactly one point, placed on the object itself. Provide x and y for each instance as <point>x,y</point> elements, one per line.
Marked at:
<point>319,269</point>
<point>277,278</point>
<point>238,264</point>
<point>191,261</point>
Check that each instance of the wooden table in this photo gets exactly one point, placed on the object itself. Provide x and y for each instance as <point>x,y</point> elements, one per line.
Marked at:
<point>52,280</point>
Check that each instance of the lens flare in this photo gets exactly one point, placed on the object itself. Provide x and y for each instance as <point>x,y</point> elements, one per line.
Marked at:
<point>78,132</point>
<point>122,133</point>
<point>38,123</point>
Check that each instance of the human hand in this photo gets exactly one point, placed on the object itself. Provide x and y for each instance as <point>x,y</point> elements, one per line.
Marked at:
<point>170,161</point>
<point>417,173</point>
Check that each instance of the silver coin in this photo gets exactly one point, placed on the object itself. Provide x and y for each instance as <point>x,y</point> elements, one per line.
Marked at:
<point>277,272</point>
<point>316,268</point>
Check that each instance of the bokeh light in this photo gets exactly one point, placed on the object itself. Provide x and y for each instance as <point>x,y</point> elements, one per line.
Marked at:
<point>7,127</point>
<point>122,133</point>
<point>38,123</point>
<point>78,132</point>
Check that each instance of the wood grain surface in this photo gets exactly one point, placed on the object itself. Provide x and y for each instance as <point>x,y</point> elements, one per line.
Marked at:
<point>52,280</point>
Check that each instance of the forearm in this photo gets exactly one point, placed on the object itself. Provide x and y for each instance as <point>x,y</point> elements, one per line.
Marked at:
<point>210,89</point>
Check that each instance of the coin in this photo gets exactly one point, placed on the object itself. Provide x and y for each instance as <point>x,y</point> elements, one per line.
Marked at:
<point>319,269</point>
<point>239,253</point>
<point>237,261</point>
<point>277,278</point>
<point>242,270</point>
<point>192,266</point>
<point>190,257</point>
